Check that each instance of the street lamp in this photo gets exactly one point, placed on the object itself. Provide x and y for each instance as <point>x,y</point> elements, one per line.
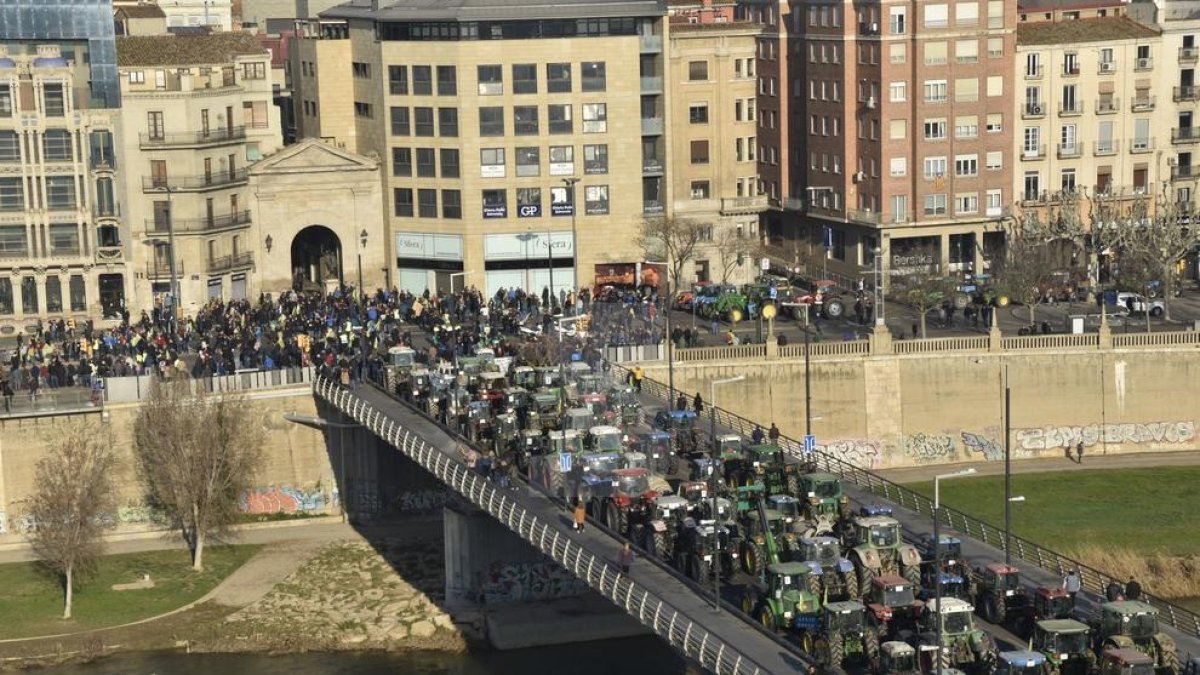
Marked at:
<point>1008,498</point>
<point>716,450</point>
<point>525,238</point>
<point>808,418</point>
<point>877,264</point>
<point>362,239</point>
<point>550,264</point>
<point>937,555</point>
<point>570,183</point>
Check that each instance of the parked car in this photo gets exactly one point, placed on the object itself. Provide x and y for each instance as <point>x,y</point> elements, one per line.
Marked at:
<point>1136,303</point>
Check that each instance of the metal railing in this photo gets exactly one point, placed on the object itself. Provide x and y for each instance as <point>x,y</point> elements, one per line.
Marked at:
<point>652,611</point>
<point>1096,580</point>
<point>229,262</point>
<point>185,138</point>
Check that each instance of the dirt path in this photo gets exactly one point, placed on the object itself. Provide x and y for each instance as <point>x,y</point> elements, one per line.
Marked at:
<point>250,582</point>
<point>1126,461</point>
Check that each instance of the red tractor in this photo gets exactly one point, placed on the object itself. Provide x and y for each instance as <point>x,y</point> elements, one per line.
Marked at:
<point>631,501</point>
<point>893,606</point>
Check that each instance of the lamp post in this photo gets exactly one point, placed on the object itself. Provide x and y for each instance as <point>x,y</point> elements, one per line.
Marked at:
<point>362,240</point>
<point>571,183</point>
<point>1008,498</point>
<point>937,556</point>
<point>550,264</point>
<point>877,265</point>
<point>716,450</point>
<point>808,417</point>
<point>525,239</point>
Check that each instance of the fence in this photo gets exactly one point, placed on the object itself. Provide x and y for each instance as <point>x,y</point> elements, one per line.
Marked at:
<point>1169,613</point>
<point>654,612</point>
<point>51,401</point>
<point>136,388</point>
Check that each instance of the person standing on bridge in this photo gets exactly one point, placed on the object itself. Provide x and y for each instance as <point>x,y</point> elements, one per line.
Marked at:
<point>625,559</point>
<point>580,516</point>
<point>757,437</point>
<point>774,434</point>
<point>698,404</point>
<point>1072,583</point>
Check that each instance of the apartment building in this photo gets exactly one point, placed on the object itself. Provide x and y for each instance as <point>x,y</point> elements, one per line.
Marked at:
<point>1178,95</point>
<point>214,15</point>
<point>713,136</point>
<point>1092,119</point>
<point>196,111</point>
<point>519,142</point>
<point>62,235</point>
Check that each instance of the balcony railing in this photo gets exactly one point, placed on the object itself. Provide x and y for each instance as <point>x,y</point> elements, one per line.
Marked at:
<point>185,225</point>
<point>1185,171</point>
<point>231,262</point>
<point>650,44</point>
<point>1034,73</point>
<point>652,165</point>
<point>1188,54</point>
<point>1068,151</point>
<point>1106,147</point>
<point>652,206</point>
<point>1107,106</point>
<point>1142,103</point>
<point>1186,93</point>
<point>872,217</point>
<point>217,179</point>
<point>1185,134</point>
<point>194,138</point>
<point>793,203</point>
<point>1141,146</point>
<point>1070,109</point>
<point>652,85</point>
<point>1033,109</point>
<point>1070,70</point>
<point>160,270</point>
<point>652,126</point>
<point>102,162</point>
<point>1034,152</point>
<point>743,204</point>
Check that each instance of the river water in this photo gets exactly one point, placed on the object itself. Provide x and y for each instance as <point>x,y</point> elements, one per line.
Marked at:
<point>632,656</point>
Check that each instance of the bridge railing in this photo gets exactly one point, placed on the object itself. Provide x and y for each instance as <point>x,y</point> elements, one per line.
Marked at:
<point>1094,579</point>
<point>602,575</point>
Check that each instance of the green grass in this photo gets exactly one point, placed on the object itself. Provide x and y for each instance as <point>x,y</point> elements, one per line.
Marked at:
<point>1147,511</point>
<point>31,600</point>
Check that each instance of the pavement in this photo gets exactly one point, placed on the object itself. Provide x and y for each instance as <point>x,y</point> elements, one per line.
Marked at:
<point>918,474</point>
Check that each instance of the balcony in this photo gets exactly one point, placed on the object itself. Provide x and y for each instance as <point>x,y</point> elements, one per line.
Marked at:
<point>652,166</point>
<point>1185,172</point>
<point>652,126</point>
<point>872,217</point>
<point>1141,146</point>
<point>793,203</point>
<point>1107,106</point>
<point>736,205</point>
<point>1142,103</point>
<point>1070,70</point>
<point>190,225</point>
<point>1106,147</point>
<point>1035,197</point>
<point>231,262</point>
<point>109,254</point>
<point>1070,151</point>
<point>103,162</point>
<point>1185,134</point>
<point>1071,109</point>
<point>1034,152</point>
<point>1189,54</point>
<point>1186,92</point>
<point>1143,64</point>
<point>212,181</point>
<point>160,270</point>
<point>1033,110</point>
<point>652,206</point>
<point>650,44</point>
<point>1034,73</point>
<point>193,139</point>
<point>868,29</point>
<point>652,85</point>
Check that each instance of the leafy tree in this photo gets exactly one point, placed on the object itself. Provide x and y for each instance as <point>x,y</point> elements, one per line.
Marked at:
<point>72,493</point>
<point>197,454</point>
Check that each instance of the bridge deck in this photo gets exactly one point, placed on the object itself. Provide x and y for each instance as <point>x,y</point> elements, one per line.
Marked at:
<point>769,655</point>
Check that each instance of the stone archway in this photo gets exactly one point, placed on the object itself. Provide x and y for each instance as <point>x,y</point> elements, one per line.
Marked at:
<point>316,259</point>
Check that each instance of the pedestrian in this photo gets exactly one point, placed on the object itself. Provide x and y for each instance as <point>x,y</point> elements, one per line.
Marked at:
<point>757,435</point>
<point>1113,591</point>
<point>914,330</point>
<point>774,434</point>
<point>698,404</point>
<point>7,391</point>
<point>638,374</point>
<point>1133,590</point>
<point>580,516</point>
<point>1072,583</point>
<point>681,402</point>
<point>625,559</point>
<point>1079,452</point>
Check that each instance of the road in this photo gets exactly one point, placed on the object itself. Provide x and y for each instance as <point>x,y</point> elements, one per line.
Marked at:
<point>1042,465</point>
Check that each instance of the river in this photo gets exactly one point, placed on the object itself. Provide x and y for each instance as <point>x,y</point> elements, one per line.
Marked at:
<point>632,656</point>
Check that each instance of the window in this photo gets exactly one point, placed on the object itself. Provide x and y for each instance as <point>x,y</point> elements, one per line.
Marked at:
<point>995,160</point>
<point>1032,141</point>
<point>699,152</point>
<point>53,293</point>
<point>402,202</point>
<point>558,78</point>
<point>995,123</point>
<point>1141,134</point>
<point>12,194</point>
<point>525,120</point>
<point>562,160</point>
<point>966,202</point>
<point>491,121</point>
<point>524,76</point>
<point>995,85</point>
<point>966,165</point>
<point>491,163</point>
<point>697,71</point>
<point>700,189</point>
<point>10,148</point>
<point>529,202</point>
<point>362,109</point>
<point>935,205</point>
<point>402,161</point>
<point>995,47</point>
<point>899,208</point>
<point>937,16</point>
<point>29,295</point>
<point>53,99</point>
<point>899,92</point>
<point>935,167</point>
<point>595,159</point>
<point>559,118</point>
<point>595,199</point>
<point>495,203</point>
<point>936,91</point>
<point>966,14</point>
<point>899,166</point>
<point>897,129</point>
<point>528,162</point>
<point>897,21</point>
<point>995,202</point>
<point>56,144</point>
<point>400,125</point>
<point>452,204</point>
<point>593,75</point>
<point>449,162</point>
<point>447,81</point>
<point>698,114</point>
<point>491,80</point>
<point>137,77</point>
<point>935,129</point>
<point>423,121</point>
<point>426,163</point>
<point>1068,180</point>
<point>448,121</point>
<point>1070,63</point>
<point>422,80</point>
<point>966,90</point>
<point>966,126</point>
<point>154,125</point>
<point>595,118</point>
<point>60,192</point>
<point>360,70</point>
<point>78,293</point>
<point>897,52</point>
<point>398,80</point>
<point>966,51</point>
<point>936,53</point>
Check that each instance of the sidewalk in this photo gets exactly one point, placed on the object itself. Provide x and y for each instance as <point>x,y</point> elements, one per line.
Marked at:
<point>1043,465</point>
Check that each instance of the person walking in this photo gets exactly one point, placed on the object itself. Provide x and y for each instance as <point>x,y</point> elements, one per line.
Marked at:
<point>1133,590</point>
<point>698,404</point>
<point>773,434</point>
<point>681,402</point>
<point>625,559</point>
<point>1079,452</point>
<point>1072,583</point>
<point>579,515</point>
<point>7,391</point>
<point>638,374</point>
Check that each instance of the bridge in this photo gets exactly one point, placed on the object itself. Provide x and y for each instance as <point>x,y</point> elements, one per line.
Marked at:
<point>669,605</point>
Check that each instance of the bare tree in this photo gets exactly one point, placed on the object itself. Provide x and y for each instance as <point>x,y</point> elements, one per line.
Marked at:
<point>1136,269</point>
<point>73,490</point>
<point>921,286</point>
<point>541,350</point>
<point>1027,269</point>
<point>675,241</point>
<point>731,246</point>
<point>1159,240</point>
<point>197,454</point>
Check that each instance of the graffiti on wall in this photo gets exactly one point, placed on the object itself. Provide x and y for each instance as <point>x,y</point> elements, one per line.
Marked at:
<point>978,444</point>
<point>863,453</point>
<point>929,448</point>
<point>421,501</point>
<point>520,582</point>
<point>1056,437</point>
<point>134,514</point>
<point>285,499</point>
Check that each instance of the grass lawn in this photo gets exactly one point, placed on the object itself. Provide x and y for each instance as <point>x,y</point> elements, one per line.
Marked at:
<point>1146,511</point>
<point>31,600</point>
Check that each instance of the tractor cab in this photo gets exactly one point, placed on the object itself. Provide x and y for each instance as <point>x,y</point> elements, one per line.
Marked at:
<point>956,616</point>
<point>824,492</point>
<point>1052,603</point>
<point>877,531</point>
<point>590,383</point>
<point>1126,661</point>
<point>847,616</point>
<point>634,482</point>
<point>599,463</point>
<point>763,455</point>
<point>789,580</point>
<point>548,377</point>
<point>873,509</point>
<point>607,439</point>
<point>579,419</point>
<point>576,370</point>
<point>401,357</point>
<point>893,598</point>
<point>525,377</point>
<point>1001,579</point>
<point>670,508</point>
<point>1020,663</point>
<point>568,441</point>
<point>702,468</point>
<point>695,491</point>
<point>1129,618</point>
<point>824,554</point>
<point>675,420</point>
<point>898,658</point>
<point>546,406</point>
<point>950,549</point>
<point>787,505</point>
<point>729,446</point>
<point>953,586</point>
<point>1066,643</point>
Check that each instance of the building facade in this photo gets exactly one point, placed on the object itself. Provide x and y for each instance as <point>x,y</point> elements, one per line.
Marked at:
<point>215,15</point>
<point>518,143</point>
<point>197,111</point>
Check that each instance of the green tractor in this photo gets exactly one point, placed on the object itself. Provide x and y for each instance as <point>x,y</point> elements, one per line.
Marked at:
<point>788,593</point>
<point>826,506</point>
<point>762,535</point>
<point>879,549</point>
<point>1132,624</point>
<point>841,632</point>
<point>772,470</point>
<point>964,645</point>
<point>1066,646</point>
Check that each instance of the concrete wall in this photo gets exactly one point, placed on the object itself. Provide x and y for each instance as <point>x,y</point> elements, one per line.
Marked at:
<point>888,411</point>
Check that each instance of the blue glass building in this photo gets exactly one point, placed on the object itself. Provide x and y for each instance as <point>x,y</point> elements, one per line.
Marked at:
<point>87,23</point>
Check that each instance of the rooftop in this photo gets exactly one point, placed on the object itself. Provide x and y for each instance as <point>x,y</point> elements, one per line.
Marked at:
<point>185,50</point>
<point>1102,29</point>
<point>141,11</point>
<point>493,10</point>
<point>1053,5</point>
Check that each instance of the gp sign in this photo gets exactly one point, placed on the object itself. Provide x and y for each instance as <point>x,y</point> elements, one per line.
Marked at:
<point>529,211</point>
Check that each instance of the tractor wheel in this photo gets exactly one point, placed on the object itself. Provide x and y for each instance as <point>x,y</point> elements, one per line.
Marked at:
<point>806,643</point>
<point>1168,660</point>
<point>837,650</point>
<point>1001,610</point>
<point>987,609</point>
<point>850,581</point>
<point>702,568</point>
<point>985,661</point>
<point>834,308</point>
<point>658,542</point>
<point>611,515</point>
<point>748,603</point>
<point>793,485</point>
<point>815,585</point>
<point>822,653</point>
<point>871,647</point>
<point>912,574</point>
<point>622,526</point>
<point>752,560</point>
<point>866,576</point>
<point>767,618</point>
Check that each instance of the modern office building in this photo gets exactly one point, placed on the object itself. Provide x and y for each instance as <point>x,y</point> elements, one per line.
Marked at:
<point>519,142</point>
